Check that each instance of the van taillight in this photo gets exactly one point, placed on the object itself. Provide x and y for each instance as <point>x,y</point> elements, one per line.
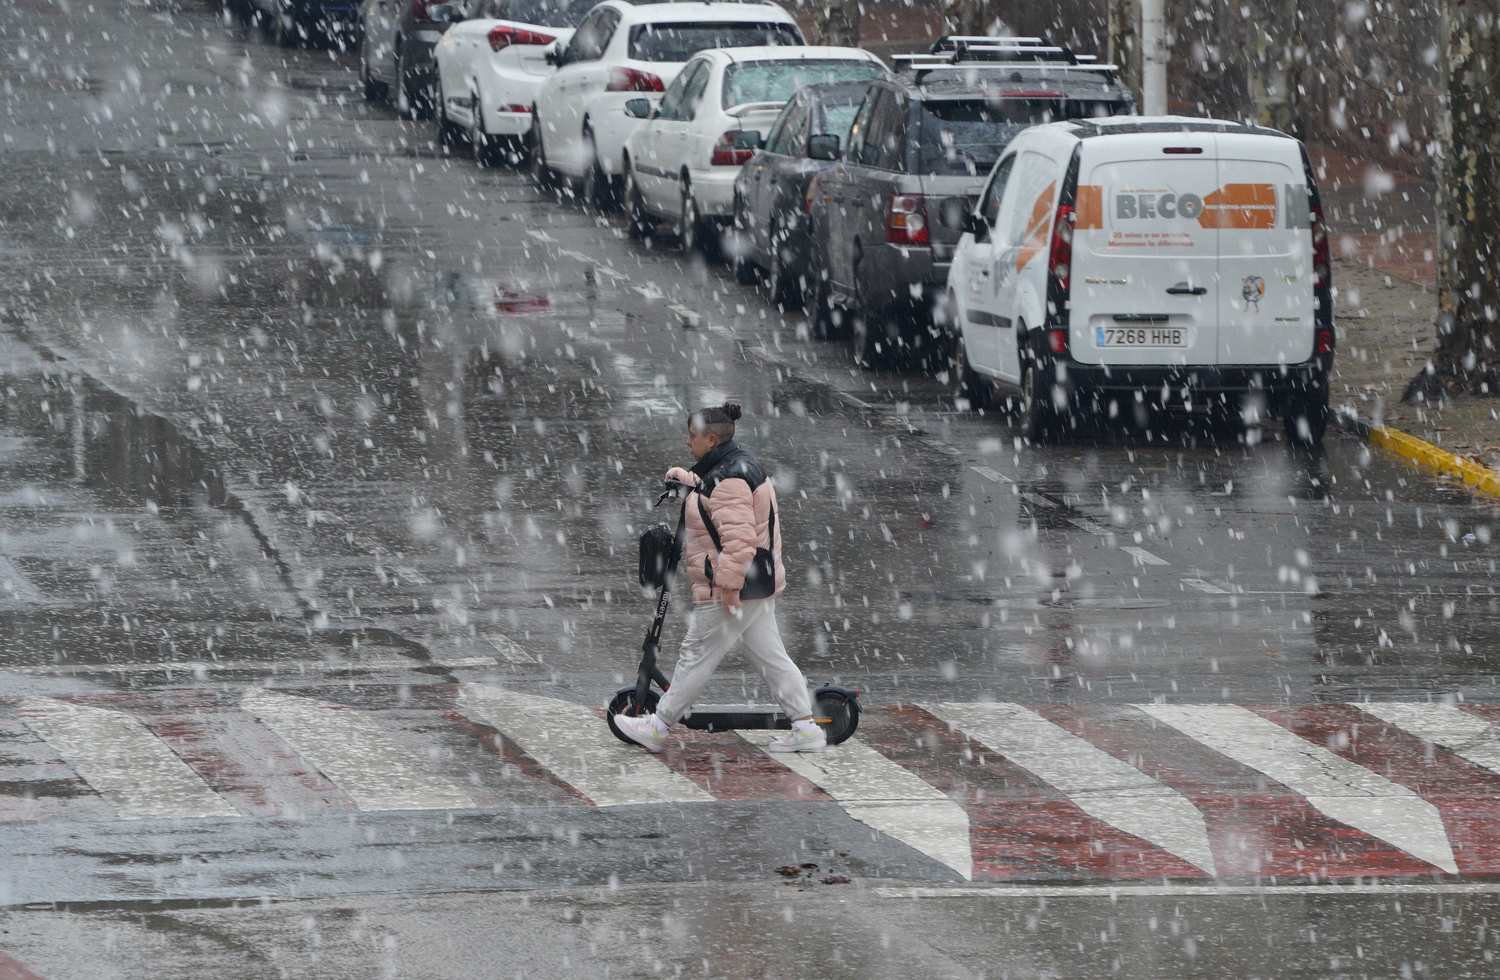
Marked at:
<point>1323,343</point>
<point>1320,249</point>
<point>906,220</point>
<point>1060,260</point>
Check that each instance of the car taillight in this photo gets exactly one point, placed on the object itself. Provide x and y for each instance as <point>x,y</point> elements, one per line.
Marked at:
<point>725,154</point>
<point>632,80</point>
<point>1324,342</point>
<point>1060,260</point>
<point>906,220</point>
<point>1320,249</point>
<point>419,10</point>
<point>503,37</point>
<point>517,108</point>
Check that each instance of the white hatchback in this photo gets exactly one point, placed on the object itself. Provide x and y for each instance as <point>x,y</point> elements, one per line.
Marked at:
<point>491,64</point>
<point>622,51</point>
<point>682,161</point>
<point>1116,264</point>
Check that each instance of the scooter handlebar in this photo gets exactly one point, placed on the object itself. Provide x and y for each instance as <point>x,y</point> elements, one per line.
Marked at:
<point>675,490</point>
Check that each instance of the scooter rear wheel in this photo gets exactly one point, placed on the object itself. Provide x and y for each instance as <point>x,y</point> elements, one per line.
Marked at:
<point>624,703</point>
<point>841,711</point>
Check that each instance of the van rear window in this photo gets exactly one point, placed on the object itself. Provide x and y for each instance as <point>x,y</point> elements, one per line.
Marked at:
<point>678,41</point>
<point>967,136</point>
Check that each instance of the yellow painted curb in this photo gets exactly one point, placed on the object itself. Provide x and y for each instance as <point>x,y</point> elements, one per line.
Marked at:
<point>1437,460</point>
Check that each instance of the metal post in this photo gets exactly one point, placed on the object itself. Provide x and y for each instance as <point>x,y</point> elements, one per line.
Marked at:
<point>1153,57</point>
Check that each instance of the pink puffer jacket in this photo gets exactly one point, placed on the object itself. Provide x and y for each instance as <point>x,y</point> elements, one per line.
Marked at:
<point>739,498</point>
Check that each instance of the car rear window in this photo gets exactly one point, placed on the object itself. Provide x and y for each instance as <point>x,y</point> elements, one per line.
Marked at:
<point>677,42</point>
<point>548,13</point>
<point>837,119</point>
<point>778,81</point>
<point>967,136</point>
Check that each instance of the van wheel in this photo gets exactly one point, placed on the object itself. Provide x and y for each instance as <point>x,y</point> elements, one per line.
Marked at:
<point>1305,416</point>
<point>1038,417</point>
<point>967,383</point>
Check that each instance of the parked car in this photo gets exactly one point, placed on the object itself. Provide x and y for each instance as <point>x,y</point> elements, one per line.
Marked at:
<point>292,22</point>
<point>624,51</point>
<point>770,222</point>
<point>885,218</point>
<point>397,38</point>
<point>1115,261</point>
<point>682,160</point>
<point>490,66</point>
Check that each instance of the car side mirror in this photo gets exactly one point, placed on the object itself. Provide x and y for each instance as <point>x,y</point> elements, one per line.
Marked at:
<point>976,226</point>
<point>748,139</point>
<point>824,146</point>
<point>443,13</point>
<point>638,108</point>
<point>552,54</point>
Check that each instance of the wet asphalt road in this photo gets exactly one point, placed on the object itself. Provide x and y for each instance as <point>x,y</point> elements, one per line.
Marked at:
<point>296,398</point>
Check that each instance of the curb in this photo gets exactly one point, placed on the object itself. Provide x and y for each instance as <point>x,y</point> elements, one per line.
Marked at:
<point>1432,458</point>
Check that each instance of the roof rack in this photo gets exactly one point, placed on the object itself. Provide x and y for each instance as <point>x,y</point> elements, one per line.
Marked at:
<point>952,50</point>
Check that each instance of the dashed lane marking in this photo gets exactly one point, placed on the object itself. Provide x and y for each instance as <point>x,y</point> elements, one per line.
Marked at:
<point>884,796</point>
<point>123,761</point>
<point>353,751</point>
<point>1345,791</point>
<point>509,649</point>
<point>1143,556</point>
<point>1099,784</point>
<point>409,574</point>
<point>574,744</point>
<point>1116,892</point>
<point>1447,726</point>
<point>282,667</point>
<point>1090,525</point>
<point>541,236</point>
<point>15,584</point>
<point>991,475</point>
<point>1202,586</point>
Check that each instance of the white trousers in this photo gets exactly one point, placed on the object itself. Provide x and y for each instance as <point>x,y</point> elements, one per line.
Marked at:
<point>711,634</point>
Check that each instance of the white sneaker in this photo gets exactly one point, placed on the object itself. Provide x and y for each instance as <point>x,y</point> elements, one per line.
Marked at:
<point>645,730</point>
<point>798,740</point>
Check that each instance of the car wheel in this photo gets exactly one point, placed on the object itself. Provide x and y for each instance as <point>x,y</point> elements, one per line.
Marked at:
<point>283,27</point>
<point>783,285</point>
<point>745,272</point>
<point>638,222</point>
<point>412,100</point>
<point>486,148</point>
<point>815,303</point>
<point>544,175</point>
<point>448,133</point>
<point>1305,416</point>
<point>375,90</point>
<point>1038,416</point>
<point>689,225</point>
<point>598,187</point>
<point>968,386</point>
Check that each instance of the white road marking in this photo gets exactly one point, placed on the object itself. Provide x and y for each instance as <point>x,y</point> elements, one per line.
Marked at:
<point>15,584</point>
<point>577,256</point>
<point>409,574</point>
<point>541,236</point>
<point>123,761</point>
<point>991,475</point>
<point>353,751</point>
<point>647,292</point>
<point>1099,784</point>
<point>1347,792</point>
<point>279,667</point>
<point>854,400</point>
<point>883,796</point>
<point>1467,736</point>
<point>722,331</point>
<point>942,447</point>
<point>575,745</point>
<point>1090,525</point>
<point>1037,499</point>
<point>1115,892</point>
<point>509,649</point>
<point>1202,586</point>
<point>1144,557</point>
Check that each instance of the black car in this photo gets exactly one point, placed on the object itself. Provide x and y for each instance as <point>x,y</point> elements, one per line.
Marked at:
<point>292,22</point>
<point>885,219</point>
<point>770,194</point>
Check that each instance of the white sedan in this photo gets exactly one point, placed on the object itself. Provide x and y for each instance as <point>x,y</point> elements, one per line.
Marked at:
<point>624,51</point>
<point>682,161</point>
<point>490,66</point>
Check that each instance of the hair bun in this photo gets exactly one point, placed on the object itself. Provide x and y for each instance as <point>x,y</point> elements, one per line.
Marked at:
<point>733,411</point>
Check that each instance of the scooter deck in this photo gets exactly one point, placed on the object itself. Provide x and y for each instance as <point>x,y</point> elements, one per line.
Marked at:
<point>729,717</point>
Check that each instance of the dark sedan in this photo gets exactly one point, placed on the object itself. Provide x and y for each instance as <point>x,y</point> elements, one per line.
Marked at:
<point>770,213</point>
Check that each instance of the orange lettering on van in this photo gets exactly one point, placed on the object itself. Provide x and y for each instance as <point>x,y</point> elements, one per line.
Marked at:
<point>1038,229</point>
<point>1240,206</point>
<point>1090,204</point>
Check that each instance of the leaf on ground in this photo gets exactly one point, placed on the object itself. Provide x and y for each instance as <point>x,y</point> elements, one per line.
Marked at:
<point>789,870</point>
<point>835,880</point>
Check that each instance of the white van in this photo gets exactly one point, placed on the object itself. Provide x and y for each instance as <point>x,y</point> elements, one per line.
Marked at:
<point>1131,261</point>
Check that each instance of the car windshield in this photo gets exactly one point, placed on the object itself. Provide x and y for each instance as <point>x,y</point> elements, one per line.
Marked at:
<point>967,136</point>
<point>778,81</point>
<point>549,13</point>
<point>677,42</point>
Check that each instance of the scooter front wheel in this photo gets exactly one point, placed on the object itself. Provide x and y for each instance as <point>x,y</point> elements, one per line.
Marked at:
<point>836,710</point>
<point>624,703</point>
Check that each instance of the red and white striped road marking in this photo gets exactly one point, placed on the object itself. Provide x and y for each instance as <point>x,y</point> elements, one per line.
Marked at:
<point>997,792</point>
<point>13,969</point>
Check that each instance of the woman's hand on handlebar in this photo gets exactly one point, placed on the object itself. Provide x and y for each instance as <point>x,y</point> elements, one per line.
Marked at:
<point>682,476</point>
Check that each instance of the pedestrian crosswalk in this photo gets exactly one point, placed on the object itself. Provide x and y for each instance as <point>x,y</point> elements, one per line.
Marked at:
<point>992,791</point>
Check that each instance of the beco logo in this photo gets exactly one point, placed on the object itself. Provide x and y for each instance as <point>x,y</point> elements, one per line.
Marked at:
<point>1157,205</point>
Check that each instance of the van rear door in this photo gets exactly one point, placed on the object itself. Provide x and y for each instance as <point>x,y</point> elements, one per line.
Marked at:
<point>1144,286</point>
<point>1266,300</point>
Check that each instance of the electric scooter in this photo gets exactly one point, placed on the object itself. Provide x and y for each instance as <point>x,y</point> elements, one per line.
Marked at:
<point>835,708</point>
